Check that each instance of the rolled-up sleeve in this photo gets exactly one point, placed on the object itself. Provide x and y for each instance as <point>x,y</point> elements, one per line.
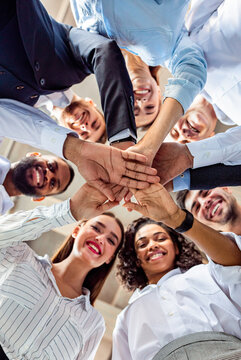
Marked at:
<point>189,69</point>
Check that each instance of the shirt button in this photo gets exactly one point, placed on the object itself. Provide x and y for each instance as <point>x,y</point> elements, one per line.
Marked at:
<point>42,81</point>
<point>37,66</point>
<point>20,87</point>
<point>182,176</point>
<point>170,313</point>
<point>53,140</point>
<point>163,297</point>
<point>33,96</point>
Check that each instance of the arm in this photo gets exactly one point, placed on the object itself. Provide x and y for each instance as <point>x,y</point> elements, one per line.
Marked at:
<point>208,177</point>
<point>188,67</point>
<point>103,57</point>
<point>30,225</point>
<point>156,203</point>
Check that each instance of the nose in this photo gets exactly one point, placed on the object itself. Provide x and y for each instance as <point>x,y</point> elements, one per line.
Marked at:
<point>100,238</point>
<point>83,127</point>
<point>152,245</point>
<point>47,175</point>
<point>205,202</point>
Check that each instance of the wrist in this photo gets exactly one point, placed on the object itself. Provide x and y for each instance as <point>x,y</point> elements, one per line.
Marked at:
<point>189,157</point>
<point>176,219</point>
<point>70,147</point>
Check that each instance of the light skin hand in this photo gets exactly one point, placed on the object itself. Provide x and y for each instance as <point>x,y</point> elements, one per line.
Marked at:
<point>156,203</point>
<point>102,165</point>
<point>171,160</point>
<point>123,145</point>
<point>89,202</point>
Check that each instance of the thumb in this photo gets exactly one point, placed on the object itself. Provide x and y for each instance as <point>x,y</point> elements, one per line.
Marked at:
<point>133,206</point>
<point>107,206</point>
<point>104,188</point>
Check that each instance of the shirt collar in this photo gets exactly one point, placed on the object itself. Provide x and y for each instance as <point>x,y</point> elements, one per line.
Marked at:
<point>84,299</point>
<point>147,289</point>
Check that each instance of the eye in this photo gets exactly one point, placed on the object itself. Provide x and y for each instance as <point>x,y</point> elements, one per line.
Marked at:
<point>150,107</point>
<point>95,228</point>
<point>52,183</point>
<point>141,245</point>
<point>51,167</point>
<point>162,239</point>
<point>197,207</point>
<point>111,241</point>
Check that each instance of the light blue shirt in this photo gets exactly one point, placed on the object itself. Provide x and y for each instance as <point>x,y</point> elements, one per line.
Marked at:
<point>154,31</point>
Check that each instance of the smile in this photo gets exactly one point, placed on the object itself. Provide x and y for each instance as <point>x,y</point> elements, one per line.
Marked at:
<point>156,255</point>
<point>94,247</point>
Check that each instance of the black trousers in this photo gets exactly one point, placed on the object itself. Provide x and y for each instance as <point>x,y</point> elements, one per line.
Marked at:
<point>2,354</point>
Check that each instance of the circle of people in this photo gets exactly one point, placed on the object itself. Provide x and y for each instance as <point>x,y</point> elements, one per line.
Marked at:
<point>181,258</point>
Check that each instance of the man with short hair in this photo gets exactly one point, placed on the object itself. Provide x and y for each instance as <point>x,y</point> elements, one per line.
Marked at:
<point>34,175</point>
<point>217,208</point>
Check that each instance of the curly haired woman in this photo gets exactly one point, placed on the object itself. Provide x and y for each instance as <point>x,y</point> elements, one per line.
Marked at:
<point>181,308</point>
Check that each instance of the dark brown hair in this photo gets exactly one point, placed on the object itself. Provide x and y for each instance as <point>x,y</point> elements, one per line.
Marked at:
<point>131,273</point>
<point>181,198</point>
<point>95,279</point>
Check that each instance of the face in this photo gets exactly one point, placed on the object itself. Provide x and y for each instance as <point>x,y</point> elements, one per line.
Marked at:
<point>41,175</point>
<point>83,117</point>
<point>214,207</point>
<point>196,124</point>
<point>97,240</point>
<point>147,99</point>
<point>155,251</point>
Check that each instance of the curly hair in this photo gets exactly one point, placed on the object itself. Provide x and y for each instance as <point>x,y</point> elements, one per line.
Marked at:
<point>131,274</point>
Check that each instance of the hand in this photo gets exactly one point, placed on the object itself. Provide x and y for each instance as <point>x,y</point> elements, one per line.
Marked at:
<point>140,148</point>
<point>157,204</point>
<point>123,145</point>
<point>171,160</point>
<point>89,202</point>
<point>102,165</point>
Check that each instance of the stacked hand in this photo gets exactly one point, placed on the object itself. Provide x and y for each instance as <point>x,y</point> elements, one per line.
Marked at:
<point>103,165</point>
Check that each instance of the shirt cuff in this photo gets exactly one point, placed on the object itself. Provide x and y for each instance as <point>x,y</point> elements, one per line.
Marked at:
<point>205,152</point>
<point>52,139</point>
<point>182,181</point>
<point>63,213</point>
<point>181,90</point>
<point>122,135</point>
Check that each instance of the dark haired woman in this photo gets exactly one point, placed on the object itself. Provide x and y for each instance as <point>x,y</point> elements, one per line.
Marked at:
<point>181,309</point>
<point>46,307</point>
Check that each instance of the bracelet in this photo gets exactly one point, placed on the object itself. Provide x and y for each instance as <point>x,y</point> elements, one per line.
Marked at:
<point>187,222</point>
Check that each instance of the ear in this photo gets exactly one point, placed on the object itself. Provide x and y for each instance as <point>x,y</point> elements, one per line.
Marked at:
<point>33,154</point>
<point>41,198</point>
<point>90,101</point>
<point>176,249</point>
<point>75,231</point>
<point>227,189</point>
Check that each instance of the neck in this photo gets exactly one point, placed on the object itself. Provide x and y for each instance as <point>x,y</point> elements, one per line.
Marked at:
<point>70,275</point>
<point>135,66</point>
<point>9,185</point>
<point>234,225</point>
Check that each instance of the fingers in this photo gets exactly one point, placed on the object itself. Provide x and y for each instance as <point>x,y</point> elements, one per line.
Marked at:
<point>133,206</point>
<point>139,168</point>
<point>128,155</point>
<point>135,184</point>
<point>128,196</point>
<point>120,193</point>
<point>142,177</point>
<point>107,206</point>
<point>104,188</point>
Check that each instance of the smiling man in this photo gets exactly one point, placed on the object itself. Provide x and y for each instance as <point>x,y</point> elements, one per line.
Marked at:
<point>217,208</point>
<point>36,175</point>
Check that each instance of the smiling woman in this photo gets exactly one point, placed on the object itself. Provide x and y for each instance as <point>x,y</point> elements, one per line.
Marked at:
<point>181,308</point>
<point>46,307</point>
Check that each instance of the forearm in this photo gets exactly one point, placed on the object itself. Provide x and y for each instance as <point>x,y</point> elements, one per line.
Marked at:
<point>104,58</point>
<point>222,148</point>
<point>28,125</point>
<point>171,111</point>
<point>29,225</point>
<point>218,247</point>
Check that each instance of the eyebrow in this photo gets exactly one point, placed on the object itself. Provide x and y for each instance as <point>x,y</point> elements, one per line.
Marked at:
<point>156,233</point>
<point>104,227</point>
<point>195,201</point>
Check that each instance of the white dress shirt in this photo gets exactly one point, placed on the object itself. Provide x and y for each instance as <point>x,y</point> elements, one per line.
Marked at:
<point>36,321</point>
<point>216,27</point>
<point>5,201</point>
<point>204,298</point>
<point>222,148</point>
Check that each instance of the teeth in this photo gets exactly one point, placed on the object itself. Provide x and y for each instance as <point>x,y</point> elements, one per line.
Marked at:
<point>215,209</point>
<point>94,247</point>
<point>141,92</point>
<point>38,177</point>
<point>155,256</point>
